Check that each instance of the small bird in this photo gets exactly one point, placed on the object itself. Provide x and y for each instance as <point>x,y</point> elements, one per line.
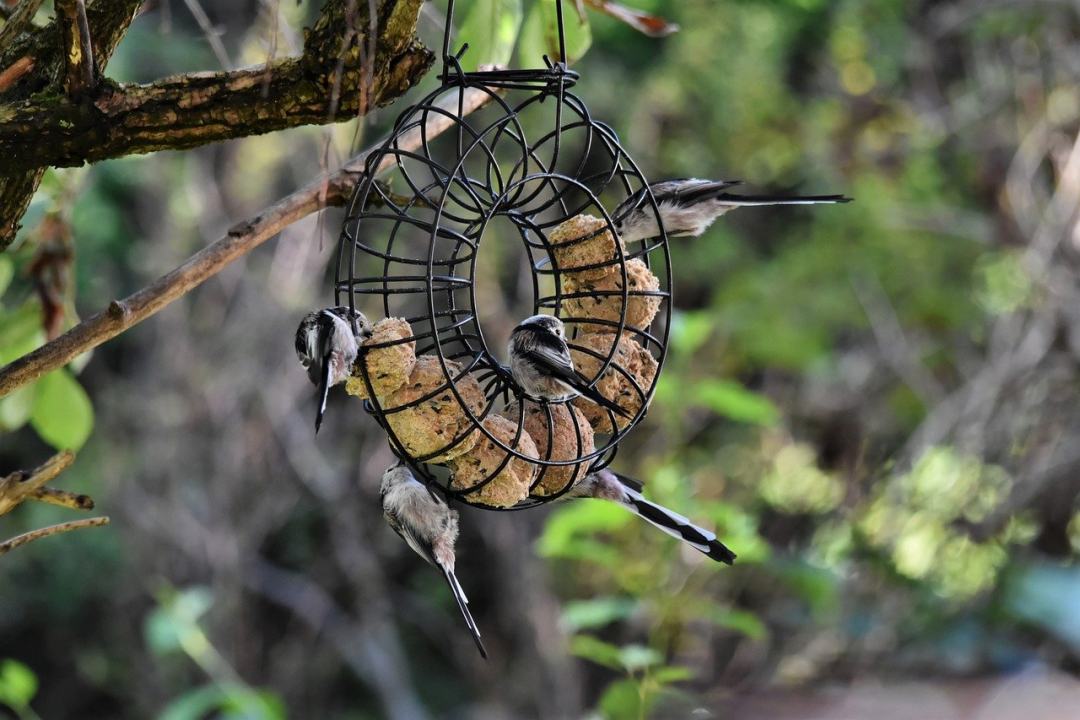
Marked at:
<point>327,343</point>
<point>688,206</point>
<point>429,526</point>
<point>541,364</point>
<point>607,485</point>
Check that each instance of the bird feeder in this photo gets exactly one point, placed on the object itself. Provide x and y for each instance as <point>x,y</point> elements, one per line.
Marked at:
<point>409,248</point>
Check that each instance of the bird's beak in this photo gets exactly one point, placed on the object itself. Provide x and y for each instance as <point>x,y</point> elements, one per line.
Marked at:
<point>324,392</point>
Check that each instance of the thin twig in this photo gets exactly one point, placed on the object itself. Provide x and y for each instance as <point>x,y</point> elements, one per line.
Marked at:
<point>63,498</point>
<point>9,545</point>
<point>78,53</point>
<point>203,265</point>
<point>20,21</point>
<point>212,36</point>
<point>22,485</point>
<point>11,74</point>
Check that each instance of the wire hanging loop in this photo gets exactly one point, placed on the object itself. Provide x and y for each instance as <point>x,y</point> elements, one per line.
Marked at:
<point>455,58</point>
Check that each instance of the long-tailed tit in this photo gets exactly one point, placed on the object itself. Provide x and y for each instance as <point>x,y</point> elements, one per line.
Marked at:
<point>606,485</point>
<point>541,364</point>
<point>688,206</point>
<point>429,526</point>
<point>327,343</point>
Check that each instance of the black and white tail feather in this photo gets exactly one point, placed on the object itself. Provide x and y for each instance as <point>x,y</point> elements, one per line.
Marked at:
<point>688,206</point>
<point>627,492</point>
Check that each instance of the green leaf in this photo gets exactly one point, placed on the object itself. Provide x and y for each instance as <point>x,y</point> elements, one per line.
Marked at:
<point>15,409</point>
<point>670,674</point>
<point>639,657</point>
<point>733,401</point>
<point>18,684</point>
<point>689,331</point>
<point>597,651</point>
<point>491,29</point>
<point>62,414</point>
<point>596,612</point>
<point>20,331</point>
<point>565,526</point>
<point>176,617</point>
<point>540,34</point>
<point>742,621</point>
<point>231,699</point>
<point>621,700</point>
<point>7,272</point>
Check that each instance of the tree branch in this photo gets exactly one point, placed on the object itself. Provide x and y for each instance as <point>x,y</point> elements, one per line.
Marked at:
<point>19,540</point>
<point>108,20</point>
<point>78,55</point>
<point>22,485</point>
<point>19,22</point>
<point>329,189</point>
<point>199,108</point>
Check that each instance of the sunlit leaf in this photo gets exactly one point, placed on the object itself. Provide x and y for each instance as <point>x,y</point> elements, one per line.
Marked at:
<point>597,651</point>
<point>232,700</point>
<point>491,29</point>
<point>733,401</point>
<point>20,331</point>
<point>540,34</point>
<point>15,409</point>
<point>639,657</point>
<point>596,612</point>
<point>689,331</point>
<point>18,684</point>
<point>7,272</point>
<point>567,524</point>
<point>670,674</point>
<point>177,616</point>
<point>622,699</point>
<point>742,621</point>
<point>62,414</point>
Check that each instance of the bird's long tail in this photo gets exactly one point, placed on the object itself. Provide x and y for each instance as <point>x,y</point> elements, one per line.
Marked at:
<point>673,523</point>
<point>463,606</point>
<point>750,200</point>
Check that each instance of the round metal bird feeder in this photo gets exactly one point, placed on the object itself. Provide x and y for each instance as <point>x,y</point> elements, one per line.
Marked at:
<point>411,240</point>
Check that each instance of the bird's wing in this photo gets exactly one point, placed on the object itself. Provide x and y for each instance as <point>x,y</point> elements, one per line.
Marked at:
<point>552,357</point>
<point>691,191</point>
<point>418,544</point>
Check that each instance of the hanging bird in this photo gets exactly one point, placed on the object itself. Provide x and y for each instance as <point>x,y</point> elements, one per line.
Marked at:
<point>541,364</point>
<point>688,206</point>
<point>429,526</point>
<point>327,343</point>
<point>606,485</point>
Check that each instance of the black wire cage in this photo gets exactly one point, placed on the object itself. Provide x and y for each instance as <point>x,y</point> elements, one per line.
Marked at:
<point>409,248</point>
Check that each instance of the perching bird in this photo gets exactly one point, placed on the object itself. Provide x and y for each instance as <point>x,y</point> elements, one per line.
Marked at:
<point>429,526</point>
<point>688,206</point>
<point>606,485</point>
<point>327,343</point>
<point>541,364</point>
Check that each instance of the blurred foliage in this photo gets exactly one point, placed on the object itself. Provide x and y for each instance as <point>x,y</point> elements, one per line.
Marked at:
<point>889,520</point>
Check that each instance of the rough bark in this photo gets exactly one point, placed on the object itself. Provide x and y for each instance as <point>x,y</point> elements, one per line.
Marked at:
<point>107,20</point>
<point>343,72</point>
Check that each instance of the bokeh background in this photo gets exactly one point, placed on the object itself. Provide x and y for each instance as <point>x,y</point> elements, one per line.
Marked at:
<point>877,405</point>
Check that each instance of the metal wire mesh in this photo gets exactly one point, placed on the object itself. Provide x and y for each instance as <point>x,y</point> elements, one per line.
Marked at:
<point>409,248</point>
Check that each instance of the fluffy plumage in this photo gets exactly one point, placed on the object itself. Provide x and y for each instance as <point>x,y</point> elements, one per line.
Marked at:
<point>429,526</point>
<point>327,342</point>
<point>541,364</point>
